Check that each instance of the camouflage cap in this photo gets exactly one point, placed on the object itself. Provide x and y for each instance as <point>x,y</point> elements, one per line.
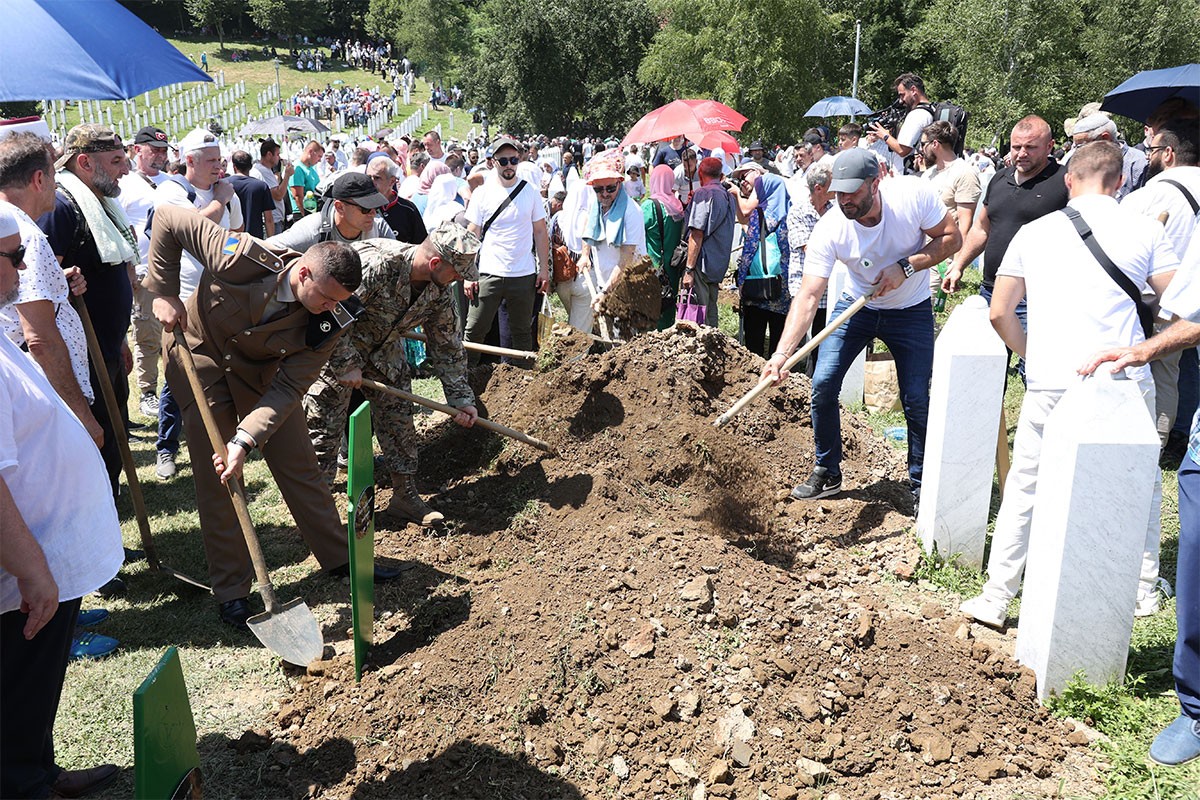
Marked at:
<point>459,246</point>
<point>88,138</point>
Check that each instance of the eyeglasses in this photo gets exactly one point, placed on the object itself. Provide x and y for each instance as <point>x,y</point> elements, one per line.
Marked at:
<point>1152,148</point>
<point>360,208</point>
<point>506,161</point>
<point>609,189</point>
<point>16,256</point>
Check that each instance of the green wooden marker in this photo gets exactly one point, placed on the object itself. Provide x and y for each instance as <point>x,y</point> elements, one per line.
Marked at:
<point>360,486</point>
<point>165,760</point>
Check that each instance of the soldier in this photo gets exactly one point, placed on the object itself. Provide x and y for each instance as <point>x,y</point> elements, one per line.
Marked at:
<point>404,286</point>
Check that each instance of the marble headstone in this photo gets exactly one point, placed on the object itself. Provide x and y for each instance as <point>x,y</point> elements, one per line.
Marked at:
<point>965,397</point>
<point>1088,534</point>
<point>852,384</point>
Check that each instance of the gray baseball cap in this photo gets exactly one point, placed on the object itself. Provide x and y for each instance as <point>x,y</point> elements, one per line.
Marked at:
<point>851,168</point>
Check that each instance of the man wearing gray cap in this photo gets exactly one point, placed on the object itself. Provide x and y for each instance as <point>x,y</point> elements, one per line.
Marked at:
<point>879,232</point>
<point>404,286</point>
<point>1099,127</point>
<point>351,214</point>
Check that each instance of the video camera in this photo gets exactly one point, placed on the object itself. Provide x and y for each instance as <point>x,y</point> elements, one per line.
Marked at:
<point>889,117</point>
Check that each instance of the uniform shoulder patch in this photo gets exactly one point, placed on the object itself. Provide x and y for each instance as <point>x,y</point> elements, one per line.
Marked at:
<point>230,246</point>
<point>262,256</point>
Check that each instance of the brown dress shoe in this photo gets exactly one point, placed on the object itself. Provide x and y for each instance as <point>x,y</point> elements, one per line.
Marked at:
<point>82,782</point>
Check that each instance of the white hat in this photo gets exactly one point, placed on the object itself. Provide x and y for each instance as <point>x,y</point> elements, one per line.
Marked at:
<point>34,125</point>
<point>197,140</point>
<point>8,221</point>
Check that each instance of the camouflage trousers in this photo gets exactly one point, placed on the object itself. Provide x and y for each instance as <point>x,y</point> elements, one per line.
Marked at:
<point>327,407</point>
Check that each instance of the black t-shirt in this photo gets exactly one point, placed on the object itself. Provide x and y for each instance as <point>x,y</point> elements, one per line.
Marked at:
<point>109,296</point>
<point>255,197</point>
<point>1010,205</point>
<point>665,154</point>
<point>403,217</point>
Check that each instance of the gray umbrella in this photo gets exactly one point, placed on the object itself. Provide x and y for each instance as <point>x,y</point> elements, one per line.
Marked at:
<point>282,126</point>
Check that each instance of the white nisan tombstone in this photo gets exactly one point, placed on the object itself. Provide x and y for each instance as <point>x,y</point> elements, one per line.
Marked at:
<point>965,398</point>
<point>1088,534</point>
<point>852,384</point>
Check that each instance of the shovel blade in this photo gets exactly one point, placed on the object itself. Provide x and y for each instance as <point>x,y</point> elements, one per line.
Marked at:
<point>292,633</point>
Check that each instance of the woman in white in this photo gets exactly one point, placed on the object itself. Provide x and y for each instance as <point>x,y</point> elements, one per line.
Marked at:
<point>566,227</point>
<point>615,233</point>
<point>443,201</point>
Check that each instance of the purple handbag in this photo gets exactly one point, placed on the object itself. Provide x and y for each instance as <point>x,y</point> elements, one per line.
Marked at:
<point>689,309</point>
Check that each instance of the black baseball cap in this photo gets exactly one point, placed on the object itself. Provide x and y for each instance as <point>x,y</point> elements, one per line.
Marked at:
<point>358,189</point>
<point>152,136</point>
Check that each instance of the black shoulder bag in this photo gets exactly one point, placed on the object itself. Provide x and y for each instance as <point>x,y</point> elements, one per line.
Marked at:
<point>1145,314</point>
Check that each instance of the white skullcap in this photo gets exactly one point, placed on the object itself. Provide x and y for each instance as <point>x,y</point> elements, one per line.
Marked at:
<point>8,221</point>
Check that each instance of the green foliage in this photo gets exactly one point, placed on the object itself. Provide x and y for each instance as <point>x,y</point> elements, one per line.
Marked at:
<point>290,17</point>
<point>435,35</point>
<point>214,14</point>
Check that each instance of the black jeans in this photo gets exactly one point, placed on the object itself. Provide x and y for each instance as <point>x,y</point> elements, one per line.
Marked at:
<point>111,452</point>
<point>755,323</point>
<point>31,681</point>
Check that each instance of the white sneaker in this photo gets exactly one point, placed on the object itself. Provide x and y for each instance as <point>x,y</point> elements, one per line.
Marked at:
<point>985,610</point>
<point>1148,603</point>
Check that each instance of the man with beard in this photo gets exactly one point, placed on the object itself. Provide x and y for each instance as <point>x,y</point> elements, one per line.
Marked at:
<point>88,229</point>
<point>910,90</point>
<point>879,232</point>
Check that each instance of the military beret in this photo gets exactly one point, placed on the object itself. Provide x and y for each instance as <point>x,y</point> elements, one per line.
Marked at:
<point>459,246</point>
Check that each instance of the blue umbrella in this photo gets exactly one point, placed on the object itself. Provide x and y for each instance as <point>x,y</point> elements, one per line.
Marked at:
<point>837,107</point>
<point>1137,97</point>
<point>84,50</point>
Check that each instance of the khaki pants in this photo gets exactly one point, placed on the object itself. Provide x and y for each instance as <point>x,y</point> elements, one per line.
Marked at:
<point>147,342</point>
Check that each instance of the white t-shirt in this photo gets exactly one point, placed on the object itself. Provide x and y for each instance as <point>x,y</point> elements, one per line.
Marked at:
<point>137,198</point>
<point>915,123</point>
<point>57,480</point>
<point>268,177</point>
<point>605,257</point>
<point>508,246</point>
<point>1075,308</point>
<point>1182,297</point>
<point>910,206</point>
<point>170,193</point>
<point>684,186</point>
<point>43,279</point>
<point>1157,196</point>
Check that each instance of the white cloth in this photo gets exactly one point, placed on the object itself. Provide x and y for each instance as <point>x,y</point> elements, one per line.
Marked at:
<point>577,298</point>
<point>910,207</point>
<point>57,480</point>
<point>1075,308</point>
<point>684,186</point>
<point>268,177</point>
<point>43,279</point>
<point>105,220</point>
<point>797,189</point>
<point>507,248</point>
<point>1182,297</point>
<point>605,257</point>
<point>137,198</point>
<point>915,122</point>
<point>1158,196</point>
<point>443,204</point>
<point>171,193</point>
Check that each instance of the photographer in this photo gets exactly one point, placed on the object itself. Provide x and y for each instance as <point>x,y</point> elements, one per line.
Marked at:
<point>910,93</point>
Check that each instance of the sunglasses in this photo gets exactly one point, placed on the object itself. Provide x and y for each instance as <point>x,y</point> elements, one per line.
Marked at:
<point>16,256</point>
<point>506,161</point>
<point>609,189</point>
<point>360,208</point>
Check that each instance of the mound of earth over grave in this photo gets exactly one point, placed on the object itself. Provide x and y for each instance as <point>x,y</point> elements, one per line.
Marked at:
<point>647,616</point>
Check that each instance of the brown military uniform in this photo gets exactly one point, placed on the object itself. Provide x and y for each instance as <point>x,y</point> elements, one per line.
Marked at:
<point>255,372</point>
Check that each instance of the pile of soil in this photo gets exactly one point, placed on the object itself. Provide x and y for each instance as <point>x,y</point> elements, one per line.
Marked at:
<point>634,299</point>
<point>647,615</point>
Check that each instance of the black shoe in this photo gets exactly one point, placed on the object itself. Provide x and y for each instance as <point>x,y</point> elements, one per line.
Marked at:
<point>113,588</point>
<point>382,573</point>
<point>132,555</point>
<point>236,612</point>
<point>820,484</point>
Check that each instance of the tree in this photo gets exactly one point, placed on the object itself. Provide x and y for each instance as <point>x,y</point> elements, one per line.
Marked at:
<point>433,34</point>
<point>213,14</point>
<point>289,17</point>
<point>770,60</point>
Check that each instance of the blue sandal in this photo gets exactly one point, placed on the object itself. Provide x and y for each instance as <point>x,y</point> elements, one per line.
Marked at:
<point>92,645</point>
<point>90,617</point>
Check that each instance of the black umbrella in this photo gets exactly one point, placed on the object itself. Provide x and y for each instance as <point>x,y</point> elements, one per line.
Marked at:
<point>1137,97</point>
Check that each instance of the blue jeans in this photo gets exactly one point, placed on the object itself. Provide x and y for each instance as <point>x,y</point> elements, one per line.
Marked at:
<point>1023,315</point>
<point>908,334</point>
<point>1187,591</point>
<point>170,422</point>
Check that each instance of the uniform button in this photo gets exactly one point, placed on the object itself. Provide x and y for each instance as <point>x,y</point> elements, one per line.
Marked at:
<point>245,333</point>
<point>229,369</point>
<point>228,357</point>
<point>262,257</point>
<point>283,351</point>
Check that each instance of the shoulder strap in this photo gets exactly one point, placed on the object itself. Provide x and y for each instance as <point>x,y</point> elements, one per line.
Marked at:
<point>516,191</point>
<point>1188,195</point>
<point>1145,315</point>
<point>662,230</point>
<point>81,229</point>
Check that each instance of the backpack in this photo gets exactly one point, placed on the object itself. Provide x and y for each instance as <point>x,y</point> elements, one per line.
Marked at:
<point>956,115</point>
<point>191,196</point>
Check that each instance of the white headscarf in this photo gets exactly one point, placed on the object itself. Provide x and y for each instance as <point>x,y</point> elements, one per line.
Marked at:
<point>442,204</point>
<point>574,215</point>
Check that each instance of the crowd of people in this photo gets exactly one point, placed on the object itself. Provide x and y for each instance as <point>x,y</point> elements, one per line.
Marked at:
<point>294,274</point>
<point>354,104</point>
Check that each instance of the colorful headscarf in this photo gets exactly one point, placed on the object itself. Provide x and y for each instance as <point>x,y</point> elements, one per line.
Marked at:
<point>662,189</point>
<point>430,173</point>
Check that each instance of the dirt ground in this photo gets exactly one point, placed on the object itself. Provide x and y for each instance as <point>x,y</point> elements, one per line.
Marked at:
<point>647,615</point>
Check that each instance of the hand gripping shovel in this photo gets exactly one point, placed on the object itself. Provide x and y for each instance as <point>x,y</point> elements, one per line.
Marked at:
<point>289,630</point>
<point>737,407</point>
<point>118,426</point>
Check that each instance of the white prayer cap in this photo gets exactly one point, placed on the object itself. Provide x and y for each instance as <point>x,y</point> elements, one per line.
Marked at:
<point>8,221</point>
<point>35,125</point>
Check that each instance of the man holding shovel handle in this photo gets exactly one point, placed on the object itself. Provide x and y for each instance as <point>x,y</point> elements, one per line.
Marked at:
<point>884,232</point>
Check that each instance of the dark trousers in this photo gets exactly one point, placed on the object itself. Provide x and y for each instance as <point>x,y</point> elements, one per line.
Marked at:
<point>1187,591</point>
<point>755,323</point>
<point>1189,390</point>
<point>31,681</point>
<point>111,452</point>
<point>170,422</point>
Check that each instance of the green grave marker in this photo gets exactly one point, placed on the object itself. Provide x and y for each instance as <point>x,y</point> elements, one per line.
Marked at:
<point>360,487</point>
<point>166,763</point>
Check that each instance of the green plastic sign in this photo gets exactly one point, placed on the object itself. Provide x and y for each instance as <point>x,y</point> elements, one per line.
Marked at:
<point>360,487</point>
<point>166,763</point>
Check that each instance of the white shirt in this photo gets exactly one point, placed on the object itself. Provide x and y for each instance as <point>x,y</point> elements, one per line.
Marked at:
<point>137,198</point>
<point>43,279</point>
<point>915,122</point>
<point>170,193</point>
<point>1182,297</point>
<point>508,246</point>
<point>910,206</point>
<point>1075,308</point>
<point>605,257</point>
<point>43,448</point>
<point>1157,196</point>
<point>268,177</point>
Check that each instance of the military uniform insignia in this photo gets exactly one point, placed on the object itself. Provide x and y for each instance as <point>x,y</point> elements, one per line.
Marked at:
<point>322,326</point>
<point>262,256</point>
<point>230,247</point>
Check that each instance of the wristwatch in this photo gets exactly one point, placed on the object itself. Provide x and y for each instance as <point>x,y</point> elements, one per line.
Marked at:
<point>907,267</point>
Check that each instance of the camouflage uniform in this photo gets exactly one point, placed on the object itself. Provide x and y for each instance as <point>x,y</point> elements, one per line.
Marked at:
<point>376,346</point>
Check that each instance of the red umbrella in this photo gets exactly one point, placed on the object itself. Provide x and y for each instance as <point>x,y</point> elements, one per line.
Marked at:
<point>682,117</point>
<point>719,139</point>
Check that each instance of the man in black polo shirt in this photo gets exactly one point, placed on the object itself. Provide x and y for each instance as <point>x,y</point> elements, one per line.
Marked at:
<point>258,207</point>
<point>1032,187</point>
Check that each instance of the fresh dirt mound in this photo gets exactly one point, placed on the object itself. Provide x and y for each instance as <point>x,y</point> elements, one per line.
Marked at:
<point>583,633</point>
<point>635,298</point>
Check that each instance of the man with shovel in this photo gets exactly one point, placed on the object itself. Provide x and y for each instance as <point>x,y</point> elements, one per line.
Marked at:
<point>260,325</point>
<point>404,286</point>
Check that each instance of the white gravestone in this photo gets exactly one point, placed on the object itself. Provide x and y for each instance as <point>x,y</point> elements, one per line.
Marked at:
<point>965,398</point>
<point>852,383</point>
<point>1088,534</point>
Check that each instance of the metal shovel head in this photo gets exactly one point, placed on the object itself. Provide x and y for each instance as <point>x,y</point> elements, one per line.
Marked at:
<point>292,633</point>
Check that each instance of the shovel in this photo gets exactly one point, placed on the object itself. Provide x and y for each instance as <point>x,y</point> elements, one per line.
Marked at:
<point>529,355</point>
<point>737,407</point>
<point>116,418</point>
<point>290,630</point>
